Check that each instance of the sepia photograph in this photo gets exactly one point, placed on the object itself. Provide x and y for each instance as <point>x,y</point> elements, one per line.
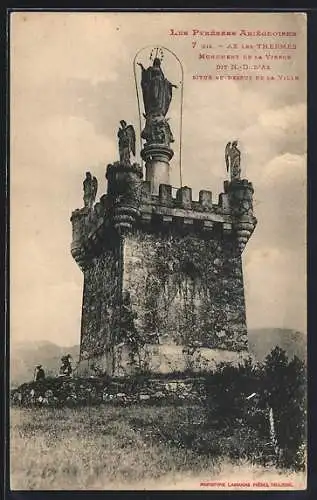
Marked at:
<point>158,306</point>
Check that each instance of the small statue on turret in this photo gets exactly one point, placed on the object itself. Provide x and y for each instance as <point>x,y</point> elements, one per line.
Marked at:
<point>126,136</point>
<point>90,186</point>
<point>233,160</point>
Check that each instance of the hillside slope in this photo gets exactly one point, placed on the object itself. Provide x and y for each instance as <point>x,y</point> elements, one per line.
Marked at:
<point>263,340</point>
<point>25,356</point>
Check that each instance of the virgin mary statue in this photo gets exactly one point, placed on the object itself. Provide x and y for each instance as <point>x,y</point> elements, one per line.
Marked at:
<point>156,89</point>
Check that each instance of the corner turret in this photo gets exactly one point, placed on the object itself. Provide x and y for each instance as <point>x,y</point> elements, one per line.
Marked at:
<point>240,193</point>
<point>124,194</point>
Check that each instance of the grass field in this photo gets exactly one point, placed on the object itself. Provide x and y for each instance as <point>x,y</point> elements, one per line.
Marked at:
<point>119,448</point>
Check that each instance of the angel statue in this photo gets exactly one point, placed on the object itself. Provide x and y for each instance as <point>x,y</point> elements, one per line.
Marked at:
<point>90,190</point>
<point>126,136</point>
<point>233,158</point>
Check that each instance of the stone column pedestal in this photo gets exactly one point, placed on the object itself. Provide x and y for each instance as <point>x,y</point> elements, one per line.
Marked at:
<point>157,158</point>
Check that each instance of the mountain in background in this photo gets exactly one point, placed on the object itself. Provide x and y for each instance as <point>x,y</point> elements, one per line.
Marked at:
<point>26,355</point>
<point>263,340</point>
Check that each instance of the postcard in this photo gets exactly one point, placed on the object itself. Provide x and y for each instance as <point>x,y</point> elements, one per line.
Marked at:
<point>158,250</point>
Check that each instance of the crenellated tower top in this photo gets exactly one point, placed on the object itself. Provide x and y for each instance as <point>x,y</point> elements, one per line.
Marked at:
<point>131,202</point>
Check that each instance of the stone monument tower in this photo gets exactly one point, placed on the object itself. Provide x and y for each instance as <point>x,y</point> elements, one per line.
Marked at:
<point>163,275</point>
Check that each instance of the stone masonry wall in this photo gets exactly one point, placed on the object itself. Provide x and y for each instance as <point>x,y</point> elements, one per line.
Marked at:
<point>90,391</point>
<point>102,291</point>
<point>185,289</point>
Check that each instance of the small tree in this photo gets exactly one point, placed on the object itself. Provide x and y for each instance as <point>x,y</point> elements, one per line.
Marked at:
<point>284,389</point>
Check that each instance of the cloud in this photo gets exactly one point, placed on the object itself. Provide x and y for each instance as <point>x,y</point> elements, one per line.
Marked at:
<point>275,288</point>
<point>280,203</point>
<point>275,132</point>
<point>53,315</point>
<point>47,48</point>
<point>287,168</point>
<point>51,158</point>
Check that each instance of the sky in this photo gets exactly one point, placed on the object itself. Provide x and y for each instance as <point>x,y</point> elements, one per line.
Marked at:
<point>72,81</point>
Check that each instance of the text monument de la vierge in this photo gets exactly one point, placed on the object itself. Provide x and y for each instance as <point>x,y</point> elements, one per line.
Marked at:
<point>162,274</point>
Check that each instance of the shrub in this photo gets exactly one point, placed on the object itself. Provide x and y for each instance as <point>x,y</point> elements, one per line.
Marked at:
<point>278,384</point>
<point>227,389</point>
